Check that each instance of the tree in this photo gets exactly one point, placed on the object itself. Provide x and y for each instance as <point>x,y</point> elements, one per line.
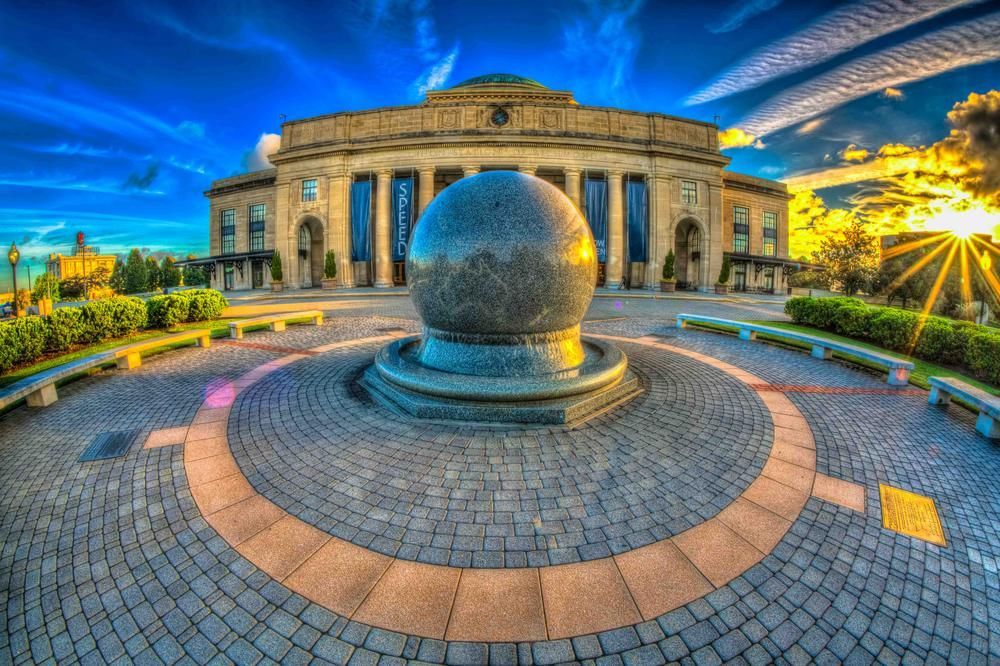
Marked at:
<point>276,267</point>
<point>194,275</point>
<point>668,266</point>
<point>726,270</point>
<point>153,278</point>
<point>170,275</point>
<point>46,286</point>
<point>330,265</point>
<point>851,258</point>
<point>136,276</point>
<point>117,282</point>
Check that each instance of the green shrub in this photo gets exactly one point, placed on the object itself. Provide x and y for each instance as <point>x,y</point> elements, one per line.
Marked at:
<point>798,308</point>
<point>982,356</point>
<point>203,304</point>
<point>63,329</point>
<point>111,318</point>
<point>893,329</point>
<point>21,340</point>
<point>330,265</point>
<point>961,332</point>
<point>166,311</point>
<point>940,341</point>
<point>853,320</point>
<point>276,267</point>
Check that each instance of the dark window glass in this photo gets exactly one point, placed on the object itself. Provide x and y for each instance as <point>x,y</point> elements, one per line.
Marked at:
<point>257,213</point>
<point>741,230</point>
<point>309,190</point>
<point>770,234</point>
<point>228,218</point>
<point>689,192</point>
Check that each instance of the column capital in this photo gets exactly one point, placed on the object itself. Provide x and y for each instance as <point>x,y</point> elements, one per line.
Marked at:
<point>470,170</point>
<point>529,169</point>
<point>384,172</point>
<point>427,170</point>
<point>573,169</point>
<point>616,173</point>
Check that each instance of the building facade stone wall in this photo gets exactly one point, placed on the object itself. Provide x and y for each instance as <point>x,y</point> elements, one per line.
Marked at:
<point>457,132</point>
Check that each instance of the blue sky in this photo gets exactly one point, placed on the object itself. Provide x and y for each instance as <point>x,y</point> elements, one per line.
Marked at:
<point>117,117</point>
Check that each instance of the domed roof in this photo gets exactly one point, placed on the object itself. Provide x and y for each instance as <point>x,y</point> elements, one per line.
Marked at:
<point>499,79</point>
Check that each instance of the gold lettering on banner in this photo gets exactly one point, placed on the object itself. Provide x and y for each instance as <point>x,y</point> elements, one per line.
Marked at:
<point>911,514</point>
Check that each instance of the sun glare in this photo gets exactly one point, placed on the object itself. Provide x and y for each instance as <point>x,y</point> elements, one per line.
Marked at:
<point>964,222</point>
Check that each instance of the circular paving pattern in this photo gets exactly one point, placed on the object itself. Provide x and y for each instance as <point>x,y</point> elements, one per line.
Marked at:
<point>309,440</point>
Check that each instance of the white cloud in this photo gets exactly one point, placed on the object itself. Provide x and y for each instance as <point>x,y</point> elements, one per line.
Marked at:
<point>964,44</point>
<point>602,43</point>
<point>436,75</point>
<point>267,145</point>
<point>837,32</point>
<point>741,13</point>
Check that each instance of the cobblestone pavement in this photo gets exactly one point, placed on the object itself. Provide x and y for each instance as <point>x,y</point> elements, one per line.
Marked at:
<point>111,561</point>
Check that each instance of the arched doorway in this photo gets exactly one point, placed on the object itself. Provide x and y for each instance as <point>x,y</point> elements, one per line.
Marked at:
<point>310,253</point>
<point>688,248</point>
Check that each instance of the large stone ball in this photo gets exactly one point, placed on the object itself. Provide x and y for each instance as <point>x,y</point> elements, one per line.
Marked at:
<point>501,253</point>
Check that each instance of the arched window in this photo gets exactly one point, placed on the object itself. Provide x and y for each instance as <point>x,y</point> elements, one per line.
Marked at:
<point>304,240</point>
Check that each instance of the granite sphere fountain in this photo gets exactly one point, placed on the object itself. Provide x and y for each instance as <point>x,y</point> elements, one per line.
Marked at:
<point>501,269</point>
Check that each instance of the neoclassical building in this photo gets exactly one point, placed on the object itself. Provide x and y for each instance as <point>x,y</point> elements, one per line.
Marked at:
<point>356,182</point>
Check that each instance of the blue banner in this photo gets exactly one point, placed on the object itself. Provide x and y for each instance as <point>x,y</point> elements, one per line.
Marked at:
<point>402,216</point>
<point>361,216</point>
<point>597,215</point>
<point>638,220</point>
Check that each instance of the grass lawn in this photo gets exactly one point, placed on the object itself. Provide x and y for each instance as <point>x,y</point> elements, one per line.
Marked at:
<point>921,371</point>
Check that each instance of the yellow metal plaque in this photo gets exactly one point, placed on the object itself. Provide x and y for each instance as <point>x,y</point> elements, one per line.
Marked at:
<point>911,514</point>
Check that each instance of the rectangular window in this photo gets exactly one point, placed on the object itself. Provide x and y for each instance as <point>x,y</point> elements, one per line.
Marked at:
<point>689,192</point>
<point>228,217</point>
<point>257,213</point>
<point>770,234</point>
<point>741,230</point>
<point>309,190</point>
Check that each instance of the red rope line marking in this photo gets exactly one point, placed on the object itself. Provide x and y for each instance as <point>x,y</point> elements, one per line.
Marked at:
<point>834,390</point>
<point>272,348</point>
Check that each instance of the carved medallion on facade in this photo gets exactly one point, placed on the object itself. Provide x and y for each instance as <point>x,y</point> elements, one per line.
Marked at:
<point>448,119</point>
<point>550,119</point>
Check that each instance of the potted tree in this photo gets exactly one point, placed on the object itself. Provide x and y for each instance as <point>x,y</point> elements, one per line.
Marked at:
<point>22,299</point>
<point>668,281</point>
<point>330,270</point>
<point>276,275</point>
<point>722,285</point>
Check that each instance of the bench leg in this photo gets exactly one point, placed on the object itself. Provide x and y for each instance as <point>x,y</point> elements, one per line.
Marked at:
<point>987,426</point>
<point>277,326</point>
<point>938,397</point>
<point>318,320</point>
<point>43,397</point>
<point>746,334</point>
<point>235,333</point>
<point>681,323</point>
<point>129,361</point>
<point>205,342</point>
<point>822,353</point>
<point>898,377</point>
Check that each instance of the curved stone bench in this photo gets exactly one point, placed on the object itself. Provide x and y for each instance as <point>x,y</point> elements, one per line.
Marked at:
<point>899,370</point>
<point>39,390</point>
<point>276,321</point>
<point>988,423</point>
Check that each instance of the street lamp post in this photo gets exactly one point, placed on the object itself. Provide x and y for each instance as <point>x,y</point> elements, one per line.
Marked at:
<point>12,256</point>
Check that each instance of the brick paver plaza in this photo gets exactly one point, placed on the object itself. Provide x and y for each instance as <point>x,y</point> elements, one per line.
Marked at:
<point>269,510</point>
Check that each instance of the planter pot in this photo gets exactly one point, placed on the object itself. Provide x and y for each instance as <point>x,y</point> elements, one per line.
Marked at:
<point>722,289</point>
<point>668,286</point>
<point>329,283</point>
<point>277,286</point>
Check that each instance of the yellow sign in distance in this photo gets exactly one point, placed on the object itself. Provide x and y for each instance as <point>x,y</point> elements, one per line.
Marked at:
<point>911,514</point>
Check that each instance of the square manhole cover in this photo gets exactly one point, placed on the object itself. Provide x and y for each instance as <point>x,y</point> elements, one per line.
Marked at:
<point>109,445</point>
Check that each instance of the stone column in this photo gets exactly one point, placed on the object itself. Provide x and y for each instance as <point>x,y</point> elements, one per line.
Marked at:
<point>613,268</point>
<point>383,254</point>
<point>529,169</point>
<point>572,186</point>
<point>340,227</point>
<point>711,268</point>
<point>469,171</point>
<point>283,236</point>
<point>426,192</point>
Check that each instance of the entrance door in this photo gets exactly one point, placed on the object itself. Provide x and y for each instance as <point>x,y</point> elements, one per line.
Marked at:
<point>740,276</point>
<point>305,250</point>
<point>228,280</point>
<point>769,279</point>
<point>257,275</point>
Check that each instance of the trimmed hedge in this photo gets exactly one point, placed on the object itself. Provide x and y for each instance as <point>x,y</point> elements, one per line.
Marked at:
<point>956,343</point>
<point>24,339</point>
